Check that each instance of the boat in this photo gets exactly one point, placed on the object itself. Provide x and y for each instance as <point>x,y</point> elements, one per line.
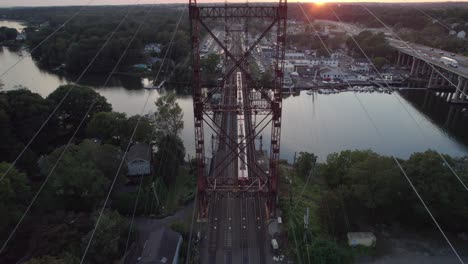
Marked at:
<point>309,92</point>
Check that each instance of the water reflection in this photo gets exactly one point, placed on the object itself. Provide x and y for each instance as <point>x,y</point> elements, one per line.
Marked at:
<point>316,123</point>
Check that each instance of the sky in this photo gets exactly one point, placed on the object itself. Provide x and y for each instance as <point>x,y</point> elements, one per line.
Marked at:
<point>10,3</point>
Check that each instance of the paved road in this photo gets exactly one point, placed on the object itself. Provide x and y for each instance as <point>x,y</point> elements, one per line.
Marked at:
<point>432,55</point>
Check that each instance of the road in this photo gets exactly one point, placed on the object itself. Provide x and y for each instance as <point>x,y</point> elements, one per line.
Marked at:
<point>432,55</point>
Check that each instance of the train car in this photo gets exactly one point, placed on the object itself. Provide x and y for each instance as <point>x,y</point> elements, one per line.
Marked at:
<point>243,173</point>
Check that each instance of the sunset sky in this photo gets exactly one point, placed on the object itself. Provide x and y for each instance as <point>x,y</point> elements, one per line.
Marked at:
<point>8,3</point>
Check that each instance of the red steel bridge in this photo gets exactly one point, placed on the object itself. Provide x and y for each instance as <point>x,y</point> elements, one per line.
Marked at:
<point>238,183</point>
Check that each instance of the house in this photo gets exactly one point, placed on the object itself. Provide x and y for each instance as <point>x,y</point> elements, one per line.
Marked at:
<point>461,34</point>
<point>330,73</point>
<point>162,247</point>
<point>294,56</point>
<point>360,66</point>
<point>21,37</point>
<point>139,159</point>
<point>153,48</point>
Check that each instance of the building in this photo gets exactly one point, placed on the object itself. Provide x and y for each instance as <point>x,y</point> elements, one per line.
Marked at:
<point>330,73</point>
<point>21,37</point>
<point>267,51</point>
<point>461,34</point>
<point>361,66</point>
<point>289,67</point>
<point>153,48</point>
<point>162,247</point>
<point>139,159</point>
<point>294,56</point>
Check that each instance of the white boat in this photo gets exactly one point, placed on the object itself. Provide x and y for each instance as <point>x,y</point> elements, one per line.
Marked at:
<point>309,92</point>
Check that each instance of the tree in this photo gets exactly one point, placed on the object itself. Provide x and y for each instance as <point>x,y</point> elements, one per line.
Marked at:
<point>169,116</point>
<point>107,126</point>
<point>68,259</point>
<point>379,62</point>
<point>28,112</point>
<point>170,156</point>
<point>114,128</point>
<point>82,177</point>
<point>109,241</point>
<point>210,63</point>
<point>439,189</point>
<point>76,104</point>
<point>8,33</point>
<point>15,195</point>
<point>305,163</point>
<point>325,251</point>
<point>266,80</point>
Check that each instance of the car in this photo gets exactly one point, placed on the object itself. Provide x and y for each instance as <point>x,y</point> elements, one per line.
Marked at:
<point>441,53</point>
<point>432,49</point>
<point>453,54</point>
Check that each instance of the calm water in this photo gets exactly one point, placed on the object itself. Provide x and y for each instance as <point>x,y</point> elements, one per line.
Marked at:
<point>321,123</point>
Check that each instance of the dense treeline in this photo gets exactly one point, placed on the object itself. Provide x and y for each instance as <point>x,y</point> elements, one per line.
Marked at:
<point>8,33</point>
<point>360,190</point>
<point>406,20</point>
<point>59,225</point>
<point>76,44</point>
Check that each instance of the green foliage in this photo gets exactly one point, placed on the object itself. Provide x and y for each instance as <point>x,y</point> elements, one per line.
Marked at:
<point>8,33</point>
<point>367,186</point>
<point>76,104</point>
<point>373,45</point>
<point>15,195</point>
<point>266,80</point>
<point>210,63</point>
<point>379,62</point>
<point>22,113</point>
<point>54,260</point>
<point>168,117</point>
<point>76,44</point>
<point>114,128</point>
<point>27,112</point>
<point>109,241</point>
<point>305,163</point>
<point>170,156</point>
<point>439,189</point>
<point>326,252</point>
<point>83,175</point>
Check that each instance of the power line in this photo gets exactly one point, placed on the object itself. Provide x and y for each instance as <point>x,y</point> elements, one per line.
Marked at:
<point>431,17</point>
<point>66,147</point>
<point>48,37</point>
<point>66,95</point>
<point>126,150</point>
<point>393,157</point>
<point>404,107</point>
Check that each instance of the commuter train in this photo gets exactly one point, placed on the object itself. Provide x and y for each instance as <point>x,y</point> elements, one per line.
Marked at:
<point>243,173</point>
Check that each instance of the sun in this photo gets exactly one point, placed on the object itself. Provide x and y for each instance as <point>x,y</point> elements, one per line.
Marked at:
<point>319,2</point>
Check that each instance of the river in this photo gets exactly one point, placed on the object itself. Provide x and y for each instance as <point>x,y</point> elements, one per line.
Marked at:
<point>321,124</point>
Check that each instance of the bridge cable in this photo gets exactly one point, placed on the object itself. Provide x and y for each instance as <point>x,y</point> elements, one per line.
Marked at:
<point>67,145</point>
<point>404,107</point>
<point>415,51</point>
<point>378,132</point>
<point>128,145</point>
<point>67,94</point>
<point>47,38</point>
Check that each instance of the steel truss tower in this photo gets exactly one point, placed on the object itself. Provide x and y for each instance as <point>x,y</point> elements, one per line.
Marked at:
<point>263,101</point>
